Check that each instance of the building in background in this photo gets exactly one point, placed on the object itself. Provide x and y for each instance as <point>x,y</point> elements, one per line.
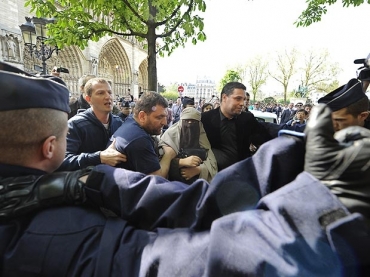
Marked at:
<point>205,88</point>
<point>122,61</point>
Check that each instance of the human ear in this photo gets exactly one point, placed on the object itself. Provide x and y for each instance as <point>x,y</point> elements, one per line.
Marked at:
<point>49,147</point>
<point>88,98</point>
<point>142,116</point>
<point>364,115</point>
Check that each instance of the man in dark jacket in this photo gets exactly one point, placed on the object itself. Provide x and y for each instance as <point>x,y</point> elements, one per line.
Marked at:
<point>225,228</point>
<point>229,130</point>
<point>287,114</point>
<point>90,131</point>
<point>80,104</point>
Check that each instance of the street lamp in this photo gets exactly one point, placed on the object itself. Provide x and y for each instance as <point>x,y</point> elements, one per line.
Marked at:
<point>34,33</point>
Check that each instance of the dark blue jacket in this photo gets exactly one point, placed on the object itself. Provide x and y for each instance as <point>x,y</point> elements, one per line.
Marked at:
<point>86,137</point>
<point>249,221</point>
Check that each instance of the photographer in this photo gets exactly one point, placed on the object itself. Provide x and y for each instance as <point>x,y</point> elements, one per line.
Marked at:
<point>298,122</point>
<point>57,70</point>
<point>364,74</point>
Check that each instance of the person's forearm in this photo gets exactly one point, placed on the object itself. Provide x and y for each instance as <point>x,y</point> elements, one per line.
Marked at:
<point>78,161</point>
<point>165,165</point>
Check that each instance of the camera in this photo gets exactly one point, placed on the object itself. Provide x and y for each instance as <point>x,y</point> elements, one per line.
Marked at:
<point>365,62</point>
<point>363,71</point>
<point>60,69</point>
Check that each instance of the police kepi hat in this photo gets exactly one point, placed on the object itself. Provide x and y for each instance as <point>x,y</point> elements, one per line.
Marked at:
<point>344,96</point>
<point>188,101</point>
<point>125,104</point>
<point>21,90</point>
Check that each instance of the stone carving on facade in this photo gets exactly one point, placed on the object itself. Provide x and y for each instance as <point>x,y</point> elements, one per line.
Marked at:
<point>12,48</point>
<point>105,69</point>
<point>94,66</point>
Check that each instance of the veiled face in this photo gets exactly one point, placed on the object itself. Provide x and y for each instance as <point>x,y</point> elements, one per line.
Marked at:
<point>190,133</point>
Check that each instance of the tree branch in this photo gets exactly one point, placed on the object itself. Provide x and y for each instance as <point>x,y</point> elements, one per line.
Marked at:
<point>101,30</point>
<point>134,12</point>
<point>168,33</point>
<point>171,15</point>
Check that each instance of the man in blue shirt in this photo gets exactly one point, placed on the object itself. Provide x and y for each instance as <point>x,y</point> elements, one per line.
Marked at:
<point>135,137</point>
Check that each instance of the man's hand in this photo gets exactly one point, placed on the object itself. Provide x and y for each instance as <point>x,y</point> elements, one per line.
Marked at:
<point>340,161</point>
<point>111,156</point>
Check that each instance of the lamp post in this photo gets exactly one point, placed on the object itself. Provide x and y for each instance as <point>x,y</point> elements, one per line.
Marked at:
<point>34,33</point>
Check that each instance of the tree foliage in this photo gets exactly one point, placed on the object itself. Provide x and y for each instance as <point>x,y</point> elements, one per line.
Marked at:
<point>269,100</point>
<point>170,95</point>
<point>256,74</point>
<point>285,68</point>
<point>317,70</point>
<point>317,8</point>
<point>230,76</point>
<point>328,87</point>
<point>163,24</point>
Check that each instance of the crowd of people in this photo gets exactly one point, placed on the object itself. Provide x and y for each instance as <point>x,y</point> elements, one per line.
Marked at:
<point>95,195</point>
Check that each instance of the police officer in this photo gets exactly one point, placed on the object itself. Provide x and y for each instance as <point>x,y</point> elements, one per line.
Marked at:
<point>349,105</point>
<point>276,236</point>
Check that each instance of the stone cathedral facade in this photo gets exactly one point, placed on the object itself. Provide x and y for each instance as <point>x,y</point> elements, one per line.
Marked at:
<point>122,61</point>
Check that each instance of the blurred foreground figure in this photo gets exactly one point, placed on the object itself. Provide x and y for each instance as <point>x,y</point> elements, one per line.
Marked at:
<point>349,105</point>
<point>277,222</point>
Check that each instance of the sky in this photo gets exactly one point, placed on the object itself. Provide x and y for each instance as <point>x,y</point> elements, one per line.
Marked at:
<point>238,30</point>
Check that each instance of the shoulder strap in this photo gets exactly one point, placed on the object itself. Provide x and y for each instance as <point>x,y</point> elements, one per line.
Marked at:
<point>110,239</point>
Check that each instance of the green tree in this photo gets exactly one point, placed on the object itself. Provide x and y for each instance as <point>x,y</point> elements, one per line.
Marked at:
<point>256,74</point>
<point>286,67</point>
<point>328,87</point>
<point>317,8</point>
<point>230,76</point>
<point>170,95</point>
<point>317,70</point>
<point>269,100</point>
<point>172,88</point>
<point>163,24</point>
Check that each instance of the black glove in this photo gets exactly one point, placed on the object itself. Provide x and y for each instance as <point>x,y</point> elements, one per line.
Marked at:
<point>25,194</point>
<point>340,161</point>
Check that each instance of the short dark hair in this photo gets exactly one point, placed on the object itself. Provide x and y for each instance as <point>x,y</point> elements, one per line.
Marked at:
<point>358,107</point>
<point>228,89</point>
<point>302,111</point>
<point>205,105</point>
<point>148,100</point>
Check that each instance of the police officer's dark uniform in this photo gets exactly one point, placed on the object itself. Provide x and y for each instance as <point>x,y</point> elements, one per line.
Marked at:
<point>344,96</point>
<point>300,229</point>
